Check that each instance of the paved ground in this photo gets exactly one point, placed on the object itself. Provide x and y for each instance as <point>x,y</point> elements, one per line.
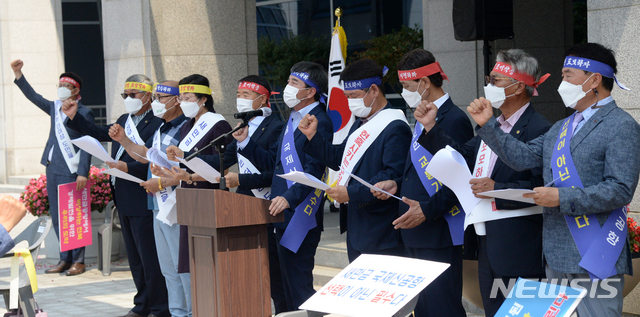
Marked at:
<point>91,294</point>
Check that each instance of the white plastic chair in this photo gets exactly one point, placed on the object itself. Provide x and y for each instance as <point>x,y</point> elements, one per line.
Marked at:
<point>34,234</point>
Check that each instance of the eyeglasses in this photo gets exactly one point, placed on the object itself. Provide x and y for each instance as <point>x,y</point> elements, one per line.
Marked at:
<point>159,97</point>
<point>186,97</point>
<point>132,95</point>
<point>66,85</point>
<point>492,80</point>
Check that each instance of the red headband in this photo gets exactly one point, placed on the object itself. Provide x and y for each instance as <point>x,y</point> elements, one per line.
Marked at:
<point>506,69</point>
<point>423,71</point>
<point>257,88</point>
<point>69,80</point>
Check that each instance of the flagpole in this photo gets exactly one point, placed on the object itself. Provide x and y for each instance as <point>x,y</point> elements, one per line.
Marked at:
<point>338,14</point>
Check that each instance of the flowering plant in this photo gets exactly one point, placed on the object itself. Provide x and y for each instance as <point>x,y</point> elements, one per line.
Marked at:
<point>100,189</point>
<point>36,198</point>
<point>634,235</point>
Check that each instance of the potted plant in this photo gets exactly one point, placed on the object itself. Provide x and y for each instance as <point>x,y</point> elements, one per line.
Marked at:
<point>36,199</point>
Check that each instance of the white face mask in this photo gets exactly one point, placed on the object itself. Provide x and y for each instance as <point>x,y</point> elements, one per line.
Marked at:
<point>190,108</point>
<point>159,108</point>
<point>63,93</point>
<point>357,107</point>
<point>133,105</point>
<point>244,105</point>
<point>571,93</point>
<point>413,98</point>
<point>496,95</point>
<point>290,96</point>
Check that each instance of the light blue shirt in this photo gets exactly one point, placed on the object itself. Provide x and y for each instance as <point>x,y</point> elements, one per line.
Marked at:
<point>6,243</point>
<point>296,117</point>
<point>589,112</point>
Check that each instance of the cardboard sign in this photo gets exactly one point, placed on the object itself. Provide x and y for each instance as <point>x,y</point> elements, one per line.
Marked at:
<point>74,213</point>
<point>375,285</point>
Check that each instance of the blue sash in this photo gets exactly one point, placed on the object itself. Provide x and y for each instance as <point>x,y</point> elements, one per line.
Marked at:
<point>304,216</point>
<point>599,247</point>
<point>420,158</point>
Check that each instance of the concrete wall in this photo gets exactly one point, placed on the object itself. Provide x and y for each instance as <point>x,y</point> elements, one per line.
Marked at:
<point>173,39</point>
<point>616,24</point>
<point>30,30</point>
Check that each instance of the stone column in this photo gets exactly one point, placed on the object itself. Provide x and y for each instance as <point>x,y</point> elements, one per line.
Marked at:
<point>173,39</point>
<point>30,30</point>
<point>617,25</point>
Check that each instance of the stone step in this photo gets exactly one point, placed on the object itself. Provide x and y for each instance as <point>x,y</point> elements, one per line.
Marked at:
<point>11,189</point>
<point>322,275</point>
<point>22,180</point>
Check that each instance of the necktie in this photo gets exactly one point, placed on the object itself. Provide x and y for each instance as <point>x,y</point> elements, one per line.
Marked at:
<point>576,121</point>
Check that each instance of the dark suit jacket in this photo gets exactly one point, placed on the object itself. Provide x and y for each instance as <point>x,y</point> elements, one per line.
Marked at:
<point>59,166</point>
<point>514,245</point>
<point>434,232</point>
<point>368,219</point>
<point>270,160</point>
<point>265,136</point>
<point>129,197</point>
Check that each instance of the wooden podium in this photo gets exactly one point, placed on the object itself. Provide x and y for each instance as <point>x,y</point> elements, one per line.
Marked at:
<point>228,252</point>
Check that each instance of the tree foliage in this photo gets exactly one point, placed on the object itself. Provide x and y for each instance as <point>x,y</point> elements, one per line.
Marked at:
<point>387,50</point>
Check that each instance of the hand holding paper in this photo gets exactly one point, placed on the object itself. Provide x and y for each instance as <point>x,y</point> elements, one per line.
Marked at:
<point>363,182</point>
<point>201,168</point>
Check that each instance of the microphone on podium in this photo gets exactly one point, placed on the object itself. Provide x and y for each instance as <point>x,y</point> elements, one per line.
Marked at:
<point>262,112</point>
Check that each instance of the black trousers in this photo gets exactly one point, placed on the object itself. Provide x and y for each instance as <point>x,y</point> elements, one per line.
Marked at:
<point>487,276</point>
<point>139,240</point>
<point>275,275</point>
<point>443,297</point>
<point>297,268</point>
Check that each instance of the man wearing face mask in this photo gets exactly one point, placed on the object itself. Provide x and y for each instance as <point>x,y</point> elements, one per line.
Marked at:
<point>511,247</point>
<point>253,94</point>
<point>303,94</point>
<point>373,151</point>
<point>425,223</point>
<point>136,220</point>
<point>63,166</point>
<point>590,161</point>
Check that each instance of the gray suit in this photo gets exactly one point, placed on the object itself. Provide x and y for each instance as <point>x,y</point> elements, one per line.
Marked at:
<point>57,170</point>
<point>605,152</point>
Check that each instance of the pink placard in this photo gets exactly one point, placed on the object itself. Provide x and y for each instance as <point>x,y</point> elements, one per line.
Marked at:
<point>74,212</point>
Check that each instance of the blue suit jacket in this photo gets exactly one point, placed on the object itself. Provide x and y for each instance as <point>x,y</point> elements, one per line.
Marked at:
<point>605,152</point>
<point>433,233</point>
<point>265,136</point>
<point>368,219</point>
<point>129,197</point>
<point>270,160</point>
<point>58,164</point>
<point>514,245</point>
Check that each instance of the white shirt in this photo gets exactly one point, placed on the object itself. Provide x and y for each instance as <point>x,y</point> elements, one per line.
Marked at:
<point>440,101</point>
<point>589,112</point>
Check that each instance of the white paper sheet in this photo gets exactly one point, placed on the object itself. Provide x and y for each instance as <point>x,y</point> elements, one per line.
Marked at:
<point>484,212</point>
<point>375,286</point>
<point>363,182</point>
<point>93,147</point>
<point>201,168</point>
<point>449,167</point>
<point>158,158</point>
<point>305,179</point>
<point>510,194</point>
<point>120,174</point>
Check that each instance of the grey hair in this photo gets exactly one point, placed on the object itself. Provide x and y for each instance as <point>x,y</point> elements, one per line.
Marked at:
<point>140,78</point>
<point>521,62</point>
